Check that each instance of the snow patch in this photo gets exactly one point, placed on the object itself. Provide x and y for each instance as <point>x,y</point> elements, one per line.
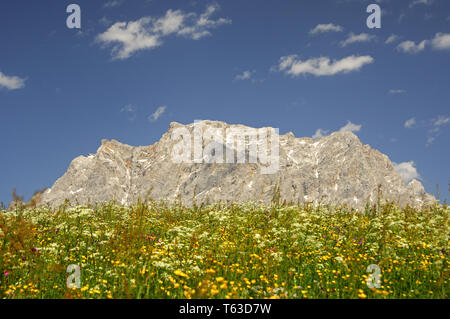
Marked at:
<point>289,155</point>
<point>76,192</point>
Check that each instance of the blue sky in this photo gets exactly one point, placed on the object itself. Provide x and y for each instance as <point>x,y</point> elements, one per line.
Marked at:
<point>310,67</point>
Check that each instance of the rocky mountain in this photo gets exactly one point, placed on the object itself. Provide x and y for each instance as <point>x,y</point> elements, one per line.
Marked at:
<point>335,169</point>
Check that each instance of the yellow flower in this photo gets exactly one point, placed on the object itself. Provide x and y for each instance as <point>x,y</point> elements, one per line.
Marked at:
<point>214,292</point>
<point>181,274</point>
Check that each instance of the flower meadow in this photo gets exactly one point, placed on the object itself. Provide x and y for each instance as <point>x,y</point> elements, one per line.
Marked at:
<point>161,250</point>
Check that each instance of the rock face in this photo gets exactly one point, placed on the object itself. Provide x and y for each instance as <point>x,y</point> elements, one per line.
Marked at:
<point>335,169</point>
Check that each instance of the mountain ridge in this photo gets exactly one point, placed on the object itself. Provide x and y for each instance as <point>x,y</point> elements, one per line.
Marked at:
<point>335,169</point>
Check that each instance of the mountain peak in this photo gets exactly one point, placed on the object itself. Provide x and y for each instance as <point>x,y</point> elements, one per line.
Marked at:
<point>336,169</point>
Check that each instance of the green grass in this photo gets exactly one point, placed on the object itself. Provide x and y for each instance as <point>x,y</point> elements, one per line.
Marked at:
<point>156,250</point>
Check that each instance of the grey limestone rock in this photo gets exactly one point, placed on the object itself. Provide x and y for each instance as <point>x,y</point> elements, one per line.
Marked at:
<point>336,169</point>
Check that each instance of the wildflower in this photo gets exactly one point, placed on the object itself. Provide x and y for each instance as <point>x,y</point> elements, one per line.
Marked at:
<point>181,274</point>
<point>214,292</point>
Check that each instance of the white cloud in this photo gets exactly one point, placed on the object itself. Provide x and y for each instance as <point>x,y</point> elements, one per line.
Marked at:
<point>11,82</point>
<point>396,91</point>
<point>391,38</point>
<point>170,23</point>
<point>406,170</point>
<point>411,46</point>
<point>416,2</point>
<point>430,140</point>
<point>410,123</point>
<point>441,41</point>
<point>129,37</point>
<point>353,38</point>
<point>322,66</point>
<point>130,110</point>
<point>435,128</point>
<point>320,133</point>
<point>350,127</point>
<point>157,114</point>
<point>199,28</point>
<point>246,75</point>
<point>321,28</point>
<point>441,120</point>
<point>113,3</point>
<point>147,33</point>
